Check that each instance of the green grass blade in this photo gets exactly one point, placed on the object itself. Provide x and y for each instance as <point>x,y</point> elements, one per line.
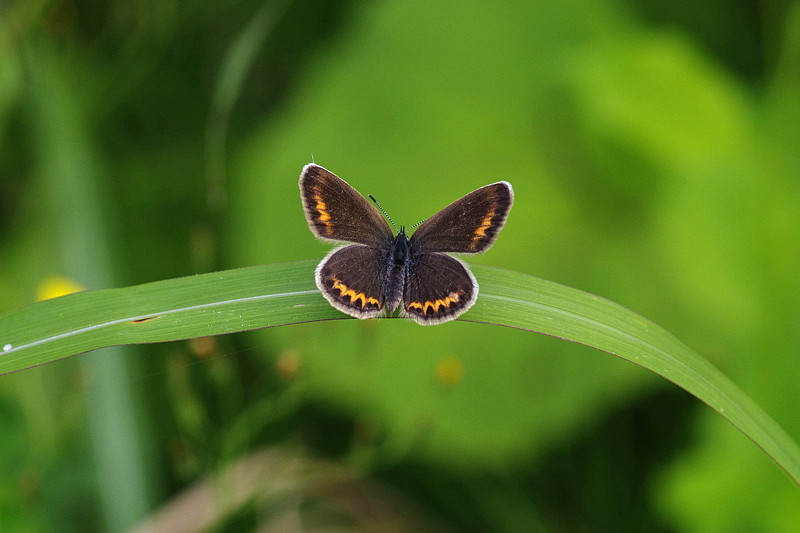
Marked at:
<point>181,308</point>
<point>525,302</point>
<point>279,294</point>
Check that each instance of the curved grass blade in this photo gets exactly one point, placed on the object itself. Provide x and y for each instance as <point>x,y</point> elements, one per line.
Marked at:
<point>525,302</point>
<point>279,294</point>
<point>168,310</point>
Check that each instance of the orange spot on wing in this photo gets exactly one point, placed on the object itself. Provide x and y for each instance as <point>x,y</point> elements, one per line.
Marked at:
<point>453,297</point>
<point>323,215</point>
<point>344,290</point>
<point>480,231</point>
<point>322,207</point>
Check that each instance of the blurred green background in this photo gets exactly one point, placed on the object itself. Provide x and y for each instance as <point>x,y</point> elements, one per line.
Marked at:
<point>653,148</point>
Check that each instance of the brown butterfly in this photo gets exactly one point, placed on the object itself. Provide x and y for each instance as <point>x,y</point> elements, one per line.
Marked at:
<point>381,270</point>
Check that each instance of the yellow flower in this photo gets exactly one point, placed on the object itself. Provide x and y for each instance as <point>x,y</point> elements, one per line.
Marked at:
<point>55,286</point>
<point>449,371</point>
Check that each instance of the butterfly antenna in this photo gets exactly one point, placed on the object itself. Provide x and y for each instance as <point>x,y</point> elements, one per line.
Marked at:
<point>383,211</point>
<point>417,224</point>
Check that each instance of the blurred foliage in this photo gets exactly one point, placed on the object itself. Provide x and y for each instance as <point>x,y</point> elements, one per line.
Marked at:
<point>653,151</point>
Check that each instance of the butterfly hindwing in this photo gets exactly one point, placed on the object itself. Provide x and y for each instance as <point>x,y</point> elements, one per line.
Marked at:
<point>336,211</point>
<point>354,280</point>
<point>438,288</point>
<point>468,225</point>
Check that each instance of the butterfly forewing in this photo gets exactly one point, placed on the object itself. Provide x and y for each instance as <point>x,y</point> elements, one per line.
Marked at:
<point>336,211</point>
<point>468,225</point>
<point>438,288</point>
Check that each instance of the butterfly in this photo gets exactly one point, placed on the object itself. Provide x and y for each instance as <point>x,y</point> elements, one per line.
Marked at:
<point>380,271</point>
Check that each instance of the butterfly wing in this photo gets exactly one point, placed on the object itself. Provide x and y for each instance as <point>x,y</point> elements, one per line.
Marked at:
<point>468,225</point>
<point>354,280</point>
<point>438,288</point>
<point>337,212</point>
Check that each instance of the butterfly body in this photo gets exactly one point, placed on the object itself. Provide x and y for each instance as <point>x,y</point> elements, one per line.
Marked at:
<point>380,271</point>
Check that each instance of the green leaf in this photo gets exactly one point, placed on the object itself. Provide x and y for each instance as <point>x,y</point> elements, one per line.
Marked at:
<point>284,293</point>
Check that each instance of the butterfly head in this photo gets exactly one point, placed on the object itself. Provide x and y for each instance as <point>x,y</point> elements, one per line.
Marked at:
<point>400,248</point>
